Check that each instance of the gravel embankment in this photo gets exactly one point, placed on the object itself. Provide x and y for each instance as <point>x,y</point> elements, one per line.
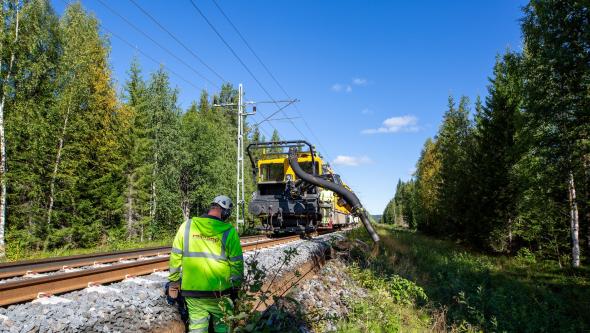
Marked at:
<point>325,296</point>
<point>136,304</point>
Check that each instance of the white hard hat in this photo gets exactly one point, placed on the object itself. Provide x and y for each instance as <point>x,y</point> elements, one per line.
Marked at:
<point>223,201</point>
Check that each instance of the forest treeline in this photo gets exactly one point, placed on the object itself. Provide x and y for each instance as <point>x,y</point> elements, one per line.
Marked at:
<point>83,164</point>
<point>516,175</point>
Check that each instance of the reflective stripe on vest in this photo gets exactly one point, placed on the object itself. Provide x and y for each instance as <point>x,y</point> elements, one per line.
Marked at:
<point>187,253</point>
<point>200,321</point>
<point>223,241</point>
<point>199,330</point>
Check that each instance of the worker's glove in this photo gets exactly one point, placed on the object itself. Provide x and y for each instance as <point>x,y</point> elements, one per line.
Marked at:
<point>172,290</point>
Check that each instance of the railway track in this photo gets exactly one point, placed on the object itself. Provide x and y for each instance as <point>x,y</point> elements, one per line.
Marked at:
<point>146,261</point>
<point>33,267</point>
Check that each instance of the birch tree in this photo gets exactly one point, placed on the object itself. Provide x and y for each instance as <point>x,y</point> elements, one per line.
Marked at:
<point>10,27</point>
<point>85,196</point>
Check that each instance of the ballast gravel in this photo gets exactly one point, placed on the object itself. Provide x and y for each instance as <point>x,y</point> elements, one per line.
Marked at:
<point>135,304</point>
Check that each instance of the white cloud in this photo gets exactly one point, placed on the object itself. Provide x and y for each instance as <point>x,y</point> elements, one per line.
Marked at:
<point>405,123</point>
<point>337,87</point>
<point>351,160</point>
<point>347,87</point>
<point>357,81</point>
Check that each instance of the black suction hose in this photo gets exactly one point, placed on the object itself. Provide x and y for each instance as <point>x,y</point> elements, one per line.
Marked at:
<point>348,196</point>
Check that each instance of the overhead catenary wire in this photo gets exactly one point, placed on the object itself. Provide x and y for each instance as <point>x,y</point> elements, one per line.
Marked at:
<point>153,19</point>
<point>273,77</point>
<point>186,48</point>
<point>145,54</point>
<point>146,35</point>
<point>244,65</point>
<point>150,58</point>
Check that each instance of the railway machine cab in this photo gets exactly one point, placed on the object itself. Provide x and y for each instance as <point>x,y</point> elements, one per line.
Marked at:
<point>283,202</point>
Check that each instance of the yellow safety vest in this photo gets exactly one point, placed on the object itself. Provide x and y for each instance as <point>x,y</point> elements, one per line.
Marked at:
<point>207,254</point>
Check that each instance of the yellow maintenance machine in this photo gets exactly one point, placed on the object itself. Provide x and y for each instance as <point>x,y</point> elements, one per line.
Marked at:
<point>287,203</point>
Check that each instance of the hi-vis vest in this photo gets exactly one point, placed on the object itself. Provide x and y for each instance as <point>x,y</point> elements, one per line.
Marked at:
<point>207,254</point>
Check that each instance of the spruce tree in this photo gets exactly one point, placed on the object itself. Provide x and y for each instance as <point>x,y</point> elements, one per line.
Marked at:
<point>557,60</point>
<point>452,142</point>
<point>138,144</point>
<point>493,193</point>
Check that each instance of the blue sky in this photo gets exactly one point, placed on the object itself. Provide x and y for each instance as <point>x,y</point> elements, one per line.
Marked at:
<point>372,77</point>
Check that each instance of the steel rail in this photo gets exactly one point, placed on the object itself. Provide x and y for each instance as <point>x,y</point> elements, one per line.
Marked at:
<point>20,268</point>
<point>25,290</point>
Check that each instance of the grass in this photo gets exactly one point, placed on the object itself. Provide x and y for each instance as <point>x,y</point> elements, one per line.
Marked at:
<point>470,291</point>
<point>390,306</point>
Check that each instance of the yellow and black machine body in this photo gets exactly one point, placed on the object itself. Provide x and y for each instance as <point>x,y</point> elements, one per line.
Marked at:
<point>286,203</point>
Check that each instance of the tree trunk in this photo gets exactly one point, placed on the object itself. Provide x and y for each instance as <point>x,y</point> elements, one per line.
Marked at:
<point>574,223</point>
<point>154,198</point>
<point>586,163</point>
<point>131,231</point>
<point>509,235</point>
<point>185,202</point>
<point>3,145</point>
<point>56,165</point>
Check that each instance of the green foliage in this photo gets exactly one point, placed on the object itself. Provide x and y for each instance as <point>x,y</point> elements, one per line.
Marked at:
<point>388,216</point>
<point>29,116</point>
<point>114,241</point>
<point>259,291</point>
<point>392,304</point>
<point>402,291</point>
<point>500,182</point>
<point>525,256</point>
<point>493,293</point>
<point>86,168</point>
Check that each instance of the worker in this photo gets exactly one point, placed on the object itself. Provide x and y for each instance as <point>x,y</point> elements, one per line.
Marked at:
<point>326,198</point>
<point>206,264</point>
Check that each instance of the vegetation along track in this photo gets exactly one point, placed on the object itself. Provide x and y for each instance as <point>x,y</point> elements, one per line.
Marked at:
<point>153,260</point>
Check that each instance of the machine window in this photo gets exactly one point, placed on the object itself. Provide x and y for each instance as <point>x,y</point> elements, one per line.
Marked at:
<point>272,172</point>
<point>306,166</point>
